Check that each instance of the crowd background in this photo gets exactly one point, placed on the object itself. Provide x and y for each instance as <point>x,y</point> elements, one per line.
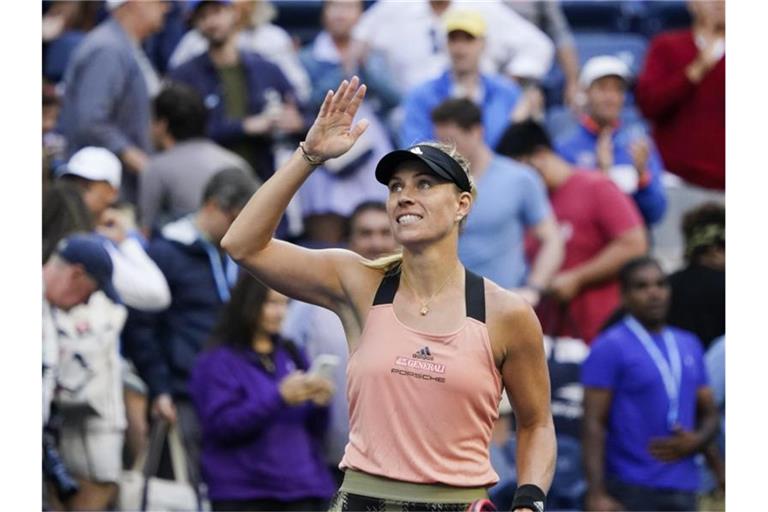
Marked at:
<point>161,118</point>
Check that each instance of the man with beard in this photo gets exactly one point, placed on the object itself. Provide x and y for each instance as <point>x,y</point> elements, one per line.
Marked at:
<point>249,100</point>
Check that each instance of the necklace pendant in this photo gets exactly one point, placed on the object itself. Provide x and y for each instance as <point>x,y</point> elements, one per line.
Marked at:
<point>424,310</point>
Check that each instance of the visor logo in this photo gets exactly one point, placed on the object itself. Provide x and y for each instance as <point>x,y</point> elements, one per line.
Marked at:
<point>416,151</point>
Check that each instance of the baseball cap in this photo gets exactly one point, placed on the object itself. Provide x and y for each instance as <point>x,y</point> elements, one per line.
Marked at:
<point>95,164</point>
<point>440,163</point>
<point>89,251</point>
<point>471,22</point>
<point>602,66</point>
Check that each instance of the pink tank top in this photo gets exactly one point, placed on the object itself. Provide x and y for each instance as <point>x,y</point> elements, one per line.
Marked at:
<point>422,406</point>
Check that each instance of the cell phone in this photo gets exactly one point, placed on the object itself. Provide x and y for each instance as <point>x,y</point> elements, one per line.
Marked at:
<point>324,365</point>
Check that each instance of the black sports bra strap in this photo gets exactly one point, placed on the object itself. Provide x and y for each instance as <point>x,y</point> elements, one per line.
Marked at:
<point>387,289</point>
<point>474,289</point>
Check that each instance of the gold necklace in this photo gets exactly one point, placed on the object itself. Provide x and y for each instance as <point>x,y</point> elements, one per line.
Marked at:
<point>425,303</point>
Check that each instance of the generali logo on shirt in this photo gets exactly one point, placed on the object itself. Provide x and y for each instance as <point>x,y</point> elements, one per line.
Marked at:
<point>417,364</point>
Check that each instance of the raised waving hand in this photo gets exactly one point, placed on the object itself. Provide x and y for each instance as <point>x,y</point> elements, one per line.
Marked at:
<point>332,133</point>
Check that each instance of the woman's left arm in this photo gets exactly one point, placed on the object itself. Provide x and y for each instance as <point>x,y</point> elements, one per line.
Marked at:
<point>526,379</point>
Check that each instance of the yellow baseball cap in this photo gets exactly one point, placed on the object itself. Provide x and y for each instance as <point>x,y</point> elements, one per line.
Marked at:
<point>471,22</point>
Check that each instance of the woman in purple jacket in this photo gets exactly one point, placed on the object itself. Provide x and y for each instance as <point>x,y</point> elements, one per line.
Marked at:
<point>262,416</point>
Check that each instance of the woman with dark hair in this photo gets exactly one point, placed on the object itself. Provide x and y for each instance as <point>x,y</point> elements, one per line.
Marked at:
<point>262,416</point>
<point>431,344</point>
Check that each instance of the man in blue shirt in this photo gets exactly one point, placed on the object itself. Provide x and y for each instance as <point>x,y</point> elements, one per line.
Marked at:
<point>647,406</point>
<point>511,198</point>
<point>601,141</point>
<point>494,94</point>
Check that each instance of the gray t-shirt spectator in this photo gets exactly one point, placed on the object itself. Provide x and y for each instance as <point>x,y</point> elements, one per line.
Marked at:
<point>174,180</point>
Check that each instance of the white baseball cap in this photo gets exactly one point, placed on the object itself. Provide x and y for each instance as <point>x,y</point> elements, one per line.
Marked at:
<point>602,66</point>
<point>95,164</point>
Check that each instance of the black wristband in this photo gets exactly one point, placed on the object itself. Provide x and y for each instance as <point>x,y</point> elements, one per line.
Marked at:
<point>529,496</point>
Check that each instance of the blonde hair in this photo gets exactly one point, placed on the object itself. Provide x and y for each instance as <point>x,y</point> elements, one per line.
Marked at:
<point>386,263</point>
<point>390,262</point>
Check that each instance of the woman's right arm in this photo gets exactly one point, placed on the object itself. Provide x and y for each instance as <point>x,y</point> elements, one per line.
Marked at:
<point>313,276</point>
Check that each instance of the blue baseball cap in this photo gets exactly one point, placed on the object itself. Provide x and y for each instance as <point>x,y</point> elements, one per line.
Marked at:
<point>89,251</point>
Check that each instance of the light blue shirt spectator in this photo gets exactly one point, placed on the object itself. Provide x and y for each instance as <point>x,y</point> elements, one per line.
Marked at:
<point>511,198</point>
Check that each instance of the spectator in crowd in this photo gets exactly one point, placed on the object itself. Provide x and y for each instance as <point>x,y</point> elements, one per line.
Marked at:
<point>256,33</point>
<point>548,17</point>
<point>601,141</point>
<point>511,199</point>
<point>330,57</point>
<point>163,345</point>
<point>249,100</point>
<point>109,82</point>
<point>648,408</point>
<point>262,416</point>
<point>495,95</point>
<point>332,191</point>
<point>96,174</point>
<point>82,200</point>
<point>173,183</point>
<point>412,37</point>
<point>601,227</point>
<point>319,331</point>
<point>81,370</point>
<point>682,85</point>
<point>698,290</point>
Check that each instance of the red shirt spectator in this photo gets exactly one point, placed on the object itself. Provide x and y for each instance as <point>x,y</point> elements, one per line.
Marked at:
<point>682,91</point>
<point>601,227</point>
<point>591,211</point>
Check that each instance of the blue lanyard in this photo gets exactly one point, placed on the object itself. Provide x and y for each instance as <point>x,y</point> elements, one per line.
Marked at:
<point>671,372</point>
<point>224,278</point>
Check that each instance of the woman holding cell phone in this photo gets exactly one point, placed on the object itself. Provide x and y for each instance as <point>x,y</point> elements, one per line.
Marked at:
<point>431,344</point>
<point>262,414</point>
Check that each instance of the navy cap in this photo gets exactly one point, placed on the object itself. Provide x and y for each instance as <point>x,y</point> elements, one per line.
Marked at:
<point>89,251</point>
<point>439,162</point>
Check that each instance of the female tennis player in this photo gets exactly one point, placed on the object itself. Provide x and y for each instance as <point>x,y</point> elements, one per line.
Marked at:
<point>431,344</point>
